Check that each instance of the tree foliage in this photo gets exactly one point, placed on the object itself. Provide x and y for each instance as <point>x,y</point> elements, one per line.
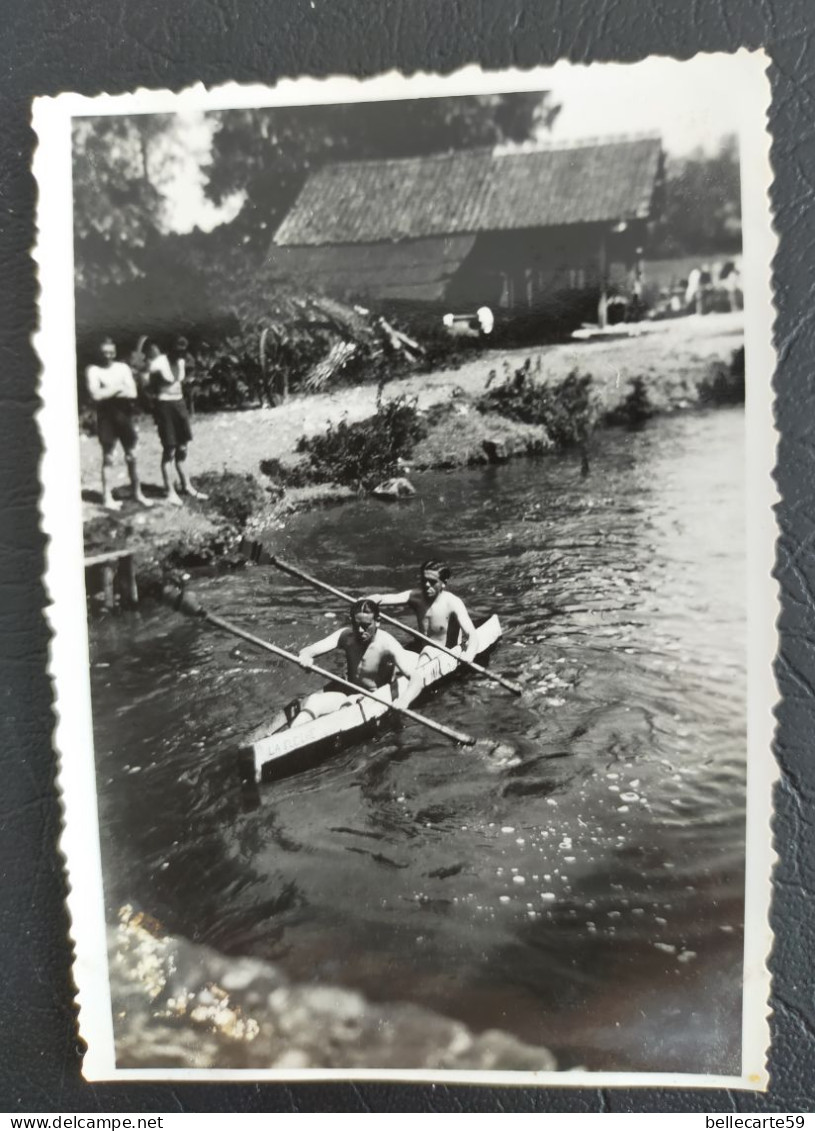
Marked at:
<point>119,167</point>
<point>702,205</point>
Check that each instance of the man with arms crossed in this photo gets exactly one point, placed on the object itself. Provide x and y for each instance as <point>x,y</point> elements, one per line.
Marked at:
<point>113,391</point>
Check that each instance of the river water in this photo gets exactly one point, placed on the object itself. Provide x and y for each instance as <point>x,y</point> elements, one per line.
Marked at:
<point>586,895</point>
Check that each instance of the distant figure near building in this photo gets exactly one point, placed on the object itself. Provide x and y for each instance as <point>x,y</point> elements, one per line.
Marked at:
<point>730,284</point>
<point>693,289</point>
<point>113,391</point>
<point>166,377</point>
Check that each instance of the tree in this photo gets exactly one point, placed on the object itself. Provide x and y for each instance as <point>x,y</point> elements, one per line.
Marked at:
<point>267,154</point>
<point>121,168</point>
<point>117,205</point>
<point>702,205</point>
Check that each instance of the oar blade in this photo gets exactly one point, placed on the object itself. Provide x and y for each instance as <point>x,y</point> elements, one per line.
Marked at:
<point>498,755</point>
<point>182,600</point>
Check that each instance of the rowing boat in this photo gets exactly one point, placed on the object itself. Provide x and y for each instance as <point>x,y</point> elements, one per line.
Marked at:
<point>284,748</point>
<point>265,754</point>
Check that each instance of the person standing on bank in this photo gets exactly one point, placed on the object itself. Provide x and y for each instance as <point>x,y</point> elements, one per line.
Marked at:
<point>166,377</point>
<point>113,390</point>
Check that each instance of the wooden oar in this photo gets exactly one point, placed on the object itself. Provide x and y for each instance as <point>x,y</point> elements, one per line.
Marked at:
<point>186,603</point>
<point>256,552</point>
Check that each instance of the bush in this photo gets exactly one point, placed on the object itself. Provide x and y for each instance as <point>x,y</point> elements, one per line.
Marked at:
<point>567,409</point>
<point>637,407</point>
<point>737,362</point>
<point>235,497</point>
<point>364,453</point>
<point>226,374</point>
<point>724,384</point>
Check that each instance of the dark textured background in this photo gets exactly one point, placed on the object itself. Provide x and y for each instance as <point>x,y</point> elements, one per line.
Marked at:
<point>116,45</point>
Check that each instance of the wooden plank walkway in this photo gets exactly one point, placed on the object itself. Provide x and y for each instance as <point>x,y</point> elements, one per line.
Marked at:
<point>114,575</point>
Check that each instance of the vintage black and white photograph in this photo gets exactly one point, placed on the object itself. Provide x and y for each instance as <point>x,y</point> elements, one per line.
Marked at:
<point>407,483</point>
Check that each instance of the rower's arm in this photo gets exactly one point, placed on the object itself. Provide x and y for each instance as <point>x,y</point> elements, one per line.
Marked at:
<point>328,644</point>
<point>408,664</point>
<point>468,628</point>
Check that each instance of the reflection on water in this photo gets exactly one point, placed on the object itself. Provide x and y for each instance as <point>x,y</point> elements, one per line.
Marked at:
<point>589,896</point>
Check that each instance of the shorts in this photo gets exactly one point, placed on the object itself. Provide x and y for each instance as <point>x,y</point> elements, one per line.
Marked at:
<point>331,688</point>
<point>173,422</point>
<point>114,421</point>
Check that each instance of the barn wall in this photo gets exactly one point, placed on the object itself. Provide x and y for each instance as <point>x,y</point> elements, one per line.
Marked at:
<point>413,270</point>
<point>553,274</point>
<point>556,273</point>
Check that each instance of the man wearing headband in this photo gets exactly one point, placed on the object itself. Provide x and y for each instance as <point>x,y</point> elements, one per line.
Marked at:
<point>371,656</point>
<point>440,614</point>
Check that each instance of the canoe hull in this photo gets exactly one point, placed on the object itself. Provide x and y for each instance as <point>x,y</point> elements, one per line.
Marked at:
<point>284,750</point>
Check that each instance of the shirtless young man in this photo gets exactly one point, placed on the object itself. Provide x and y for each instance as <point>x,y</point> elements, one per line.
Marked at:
<point>166,377</point>
<point>371,655</point>
<point>113,391</point>
<point>440,615</point>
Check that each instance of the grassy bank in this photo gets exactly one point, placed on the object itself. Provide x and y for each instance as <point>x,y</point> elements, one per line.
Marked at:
<point>469,415</point>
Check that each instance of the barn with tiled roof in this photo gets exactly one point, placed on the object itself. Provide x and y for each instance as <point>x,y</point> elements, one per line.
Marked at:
<point>513,229</point>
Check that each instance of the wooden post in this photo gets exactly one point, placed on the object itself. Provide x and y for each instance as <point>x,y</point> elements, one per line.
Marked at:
<point>275,375</point>
<point>107,585</point>
<point>638,287</point>
<point>128,590</point>
<point>639,270</point>
<point>602,306</point>
<point>117,571</point>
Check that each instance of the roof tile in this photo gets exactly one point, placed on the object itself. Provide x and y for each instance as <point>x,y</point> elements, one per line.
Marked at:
<point>472,191</point>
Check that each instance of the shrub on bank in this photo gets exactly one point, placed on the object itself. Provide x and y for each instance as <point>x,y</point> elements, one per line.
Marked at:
<point>636,409</point>
<point>724,384</point>
<point>364,453</point>
<point>567,409</point>
<point>459,436</point>
<point>236,498</point>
